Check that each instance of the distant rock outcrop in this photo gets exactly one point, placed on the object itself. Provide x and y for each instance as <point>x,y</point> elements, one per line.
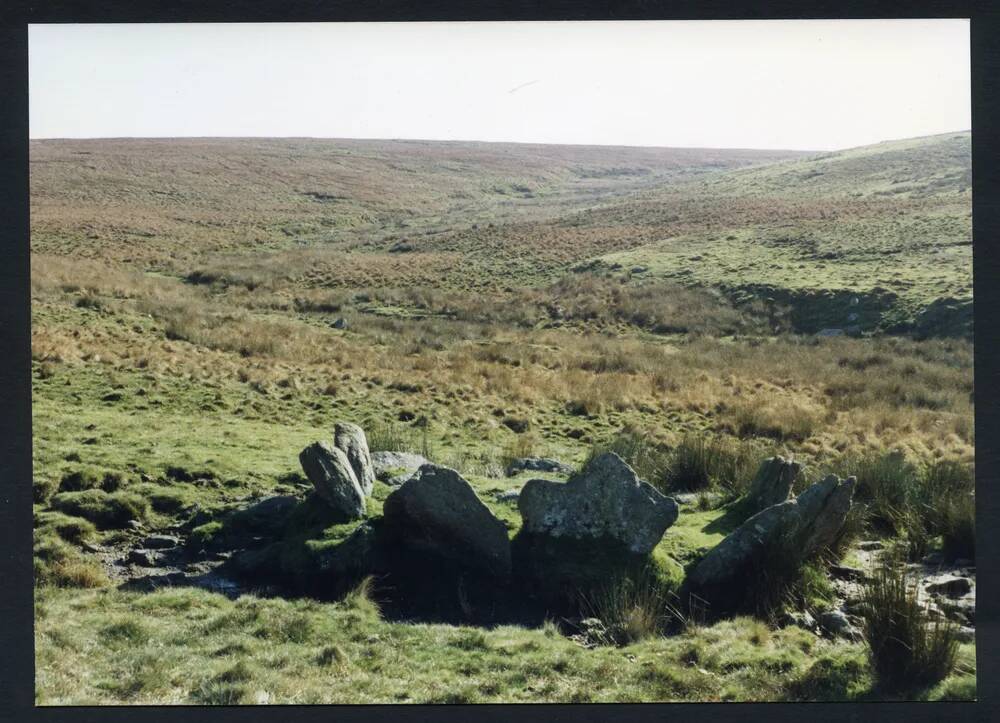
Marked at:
<point>605,500</point>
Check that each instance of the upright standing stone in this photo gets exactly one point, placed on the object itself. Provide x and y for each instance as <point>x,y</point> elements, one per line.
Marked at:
<point>773,483</point>
<point>350,439</point>
<point>328,468</point>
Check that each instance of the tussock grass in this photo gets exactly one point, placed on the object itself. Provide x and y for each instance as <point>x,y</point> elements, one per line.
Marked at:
<point>905,648</point>
<point>702,462</point>
<point>106,510</point>
<point>362,598</point>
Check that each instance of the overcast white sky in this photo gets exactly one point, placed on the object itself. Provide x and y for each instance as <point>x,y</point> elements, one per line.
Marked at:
<point>796,84</point>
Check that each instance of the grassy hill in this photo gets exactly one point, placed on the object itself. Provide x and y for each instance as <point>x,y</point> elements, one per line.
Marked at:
<point>889,225</point>
<point>203,308</point>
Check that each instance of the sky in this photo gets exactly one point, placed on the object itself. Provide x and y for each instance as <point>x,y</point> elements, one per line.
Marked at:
<point>789,84</point>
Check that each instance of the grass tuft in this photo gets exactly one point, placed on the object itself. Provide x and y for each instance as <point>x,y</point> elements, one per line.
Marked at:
<point>906,650</point>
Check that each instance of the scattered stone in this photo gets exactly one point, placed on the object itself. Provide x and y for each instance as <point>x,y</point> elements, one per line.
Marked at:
<point>518,425</point>
<point>965,634</point>
<point>270,508</point>
<point>711,499</point>
<point>90,547</point>
<point>350,439</point>
<point>870,545</point>
<point>438,512</point>
<point>836,624</point>
<point>962,610</point>
<point>144,558</point>
<point>508,496</point>
<point>795,529</point>
<point>773,483</point>
<point>800,619</point>
<point>135,525</point>
<point>160,542</point>
<point>844,572</point>
<point>328,468</point>
<point>340,323</point>
<point>606,499</point>
<point>950,585</point>
<point>392,466</point>
<point>537,464</point>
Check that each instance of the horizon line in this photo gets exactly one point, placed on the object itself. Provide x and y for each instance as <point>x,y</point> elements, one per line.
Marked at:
<point>486,142</point>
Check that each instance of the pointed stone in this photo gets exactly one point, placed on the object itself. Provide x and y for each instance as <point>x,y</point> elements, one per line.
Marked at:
<point>351,440</point>
<point>330,472</point>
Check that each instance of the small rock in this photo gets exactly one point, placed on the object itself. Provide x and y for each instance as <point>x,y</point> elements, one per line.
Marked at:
<point>965,634</point>
<point>387,465</point>
<point>537,464</point>
<point>90,547</point>
<point>711,499</point>
<point>518,425</point>
<point>962,610</point>
<point>507,496</point>
<point>160,542</point>
<point>950,585</point>
<point>144,558</point>
<point>837,624</point>
<point>134,525</point>
<point>870,545</point>
<point>800,619</point>
<point>844,572</point>
<point>340,323</point>
<point>399,479</point>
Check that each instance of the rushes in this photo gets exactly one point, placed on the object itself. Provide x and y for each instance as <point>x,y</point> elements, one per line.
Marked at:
<point>631,608</point>
<point>697,463</point>
<point>389,437</point>
<point>701,462</point>
<point>918,504</point>
<point>905,649</point>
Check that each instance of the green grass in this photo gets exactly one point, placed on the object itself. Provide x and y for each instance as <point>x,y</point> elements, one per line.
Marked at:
<point>189,646</point>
